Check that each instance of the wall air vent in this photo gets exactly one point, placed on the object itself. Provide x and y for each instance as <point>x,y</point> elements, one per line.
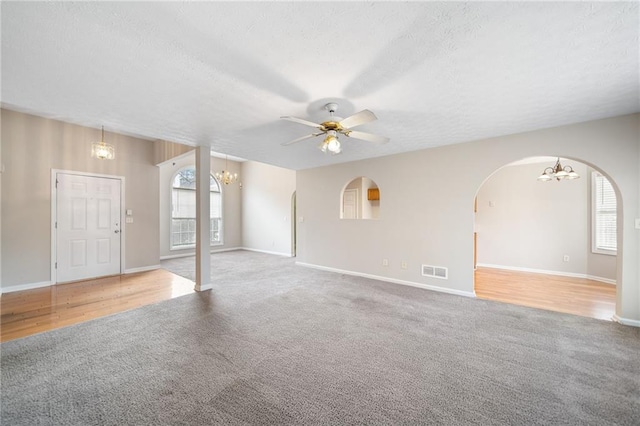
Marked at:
<point>435,271</point>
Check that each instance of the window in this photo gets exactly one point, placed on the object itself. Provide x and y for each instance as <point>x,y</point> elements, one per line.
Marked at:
<point>183,210</point>
<point>604,217</point>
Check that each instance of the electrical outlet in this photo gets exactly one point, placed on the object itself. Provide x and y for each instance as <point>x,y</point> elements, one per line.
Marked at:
<point>404,264</point>
<point>637,223</point>
<point>565,258</point>
<point>385,262</point>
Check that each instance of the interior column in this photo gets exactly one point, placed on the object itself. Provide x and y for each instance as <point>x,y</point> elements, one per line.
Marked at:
<point>203,224</point>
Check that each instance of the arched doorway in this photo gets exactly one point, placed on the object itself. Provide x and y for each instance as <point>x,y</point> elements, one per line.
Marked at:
<point>536,241</point>
<point>294,225</point>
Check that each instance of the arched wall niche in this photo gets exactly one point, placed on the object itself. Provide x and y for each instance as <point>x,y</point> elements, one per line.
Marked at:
<point>360,199</point>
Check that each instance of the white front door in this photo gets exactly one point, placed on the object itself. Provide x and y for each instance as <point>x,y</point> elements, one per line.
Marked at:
<point>87,227</point>
<point>350,204</point>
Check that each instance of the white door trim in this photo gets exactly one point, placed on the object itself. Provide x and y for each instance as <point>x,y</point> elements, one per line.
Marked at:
<point>54,210</point>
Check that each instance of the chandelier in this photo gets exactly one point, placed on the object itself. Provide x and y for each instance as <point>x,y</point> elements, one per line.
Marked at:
<point>225,176</point>
<point>103,150</point>
<point>558,172</point>
<point>331,143</point>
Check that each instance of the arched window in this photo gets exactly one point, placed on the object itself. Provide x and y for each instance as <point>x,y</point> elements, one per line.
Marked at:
<point>183,210</point>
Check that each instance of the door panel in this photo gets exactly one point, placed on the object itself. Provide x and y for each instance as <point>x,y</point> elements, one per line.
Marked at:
<point>88,238</point>
<point>78,253</point>
<point>350,204</point>
<point>103,249</point>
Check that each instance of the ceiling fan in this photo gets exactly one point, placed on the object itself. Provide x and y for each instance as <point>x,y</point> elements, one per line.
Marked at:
<point>336,125</point>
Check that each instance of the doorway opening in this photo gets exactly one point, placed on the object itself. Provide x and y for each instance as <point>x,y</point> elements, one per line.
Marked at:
<point>294,225</point>
<point>536,242</point>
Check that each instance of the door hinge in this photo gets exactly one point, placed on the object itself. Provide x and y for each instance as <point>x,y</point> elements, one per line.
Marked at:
<point>56,265</point>
<point>56,225</point>
<point>56,183</point>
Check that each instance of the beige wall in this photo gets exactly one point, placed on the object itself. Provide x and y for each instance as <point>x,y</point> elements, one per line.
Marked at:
<point>165,151</point>
<point>427,215</point>
<point>524,223</point>
<point>231,204</point>
<point>266,207</point>
<point>33,146</point>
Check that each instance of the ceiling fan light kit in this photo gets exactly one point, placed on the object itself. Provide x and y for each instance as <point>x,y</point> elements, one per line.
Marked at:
<point>331,143</point>
<point>335,126</point>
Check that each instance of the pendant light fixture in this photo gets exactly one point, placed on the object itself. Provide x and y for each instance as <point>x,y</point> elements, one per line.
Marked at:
<point>225,176</point>
<point>103,150</point>
<point>558,172</point>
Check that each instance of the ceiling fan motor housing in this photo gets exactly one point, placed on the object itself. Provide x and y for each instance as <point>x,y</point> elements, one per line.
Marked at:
<point>334,122</point>
<point>331,107</point>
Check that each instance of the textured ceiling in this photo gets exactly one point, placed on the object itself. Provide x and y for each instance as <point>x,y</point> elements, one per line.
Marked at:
<point>221,74</point>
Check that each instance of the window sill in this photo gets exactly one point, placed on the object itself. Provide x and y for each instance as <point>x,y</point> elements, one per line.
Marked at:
<point>192,247</point>
<point>605,252</point>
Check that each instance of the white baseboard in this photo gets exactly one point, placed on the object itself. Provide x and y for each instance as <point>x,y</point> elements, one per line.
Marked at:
<point>28,286</point>
<point>602,279</point>
<point>175,256</point>
<point>142,269</point>
<point>546,272</point>
<point>277,253</point>
<point>626,321</point>
<point>392,280</point>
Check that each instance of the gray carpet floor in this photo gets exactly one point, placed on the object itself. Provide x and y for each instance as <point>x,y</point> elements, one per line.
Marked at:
<point>275,343</point>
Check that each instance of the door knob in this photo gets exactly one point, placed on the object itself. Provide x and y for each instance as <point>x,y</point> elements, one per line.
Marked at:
<point>116,231</point>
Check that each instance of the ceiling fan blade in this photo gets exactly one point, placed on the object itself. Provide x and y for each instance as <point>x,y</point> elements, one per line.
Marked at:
<point>367,137</point>
<point>301,121</point>
<point>313,135</point>
<point>362,117</point>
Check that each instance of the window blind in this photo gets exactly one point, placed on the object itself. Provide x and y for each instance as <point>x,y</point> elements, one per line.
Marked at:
<point>605,215</point>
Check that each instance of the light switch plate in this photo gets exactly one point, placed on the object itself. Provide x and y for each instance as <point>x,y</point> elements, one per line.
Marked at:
<point>129,219</point>
<point>129,212</point>
<point>638,223</point>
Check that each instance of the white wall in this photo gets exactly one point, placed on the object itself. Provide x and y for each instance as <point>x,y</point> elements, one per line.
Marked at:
<point>427,215</point>
<point>231,204</point>
<point>31,147</point>
<point>266,207</point>
<point>1,173</point>
<point>370,208</point>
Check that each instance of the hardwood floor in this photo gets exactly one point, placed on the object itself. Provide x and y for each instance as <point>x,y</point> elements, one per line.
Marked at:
<point>28,312</point>
<point>33,311</point>
<point>576,296</point>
